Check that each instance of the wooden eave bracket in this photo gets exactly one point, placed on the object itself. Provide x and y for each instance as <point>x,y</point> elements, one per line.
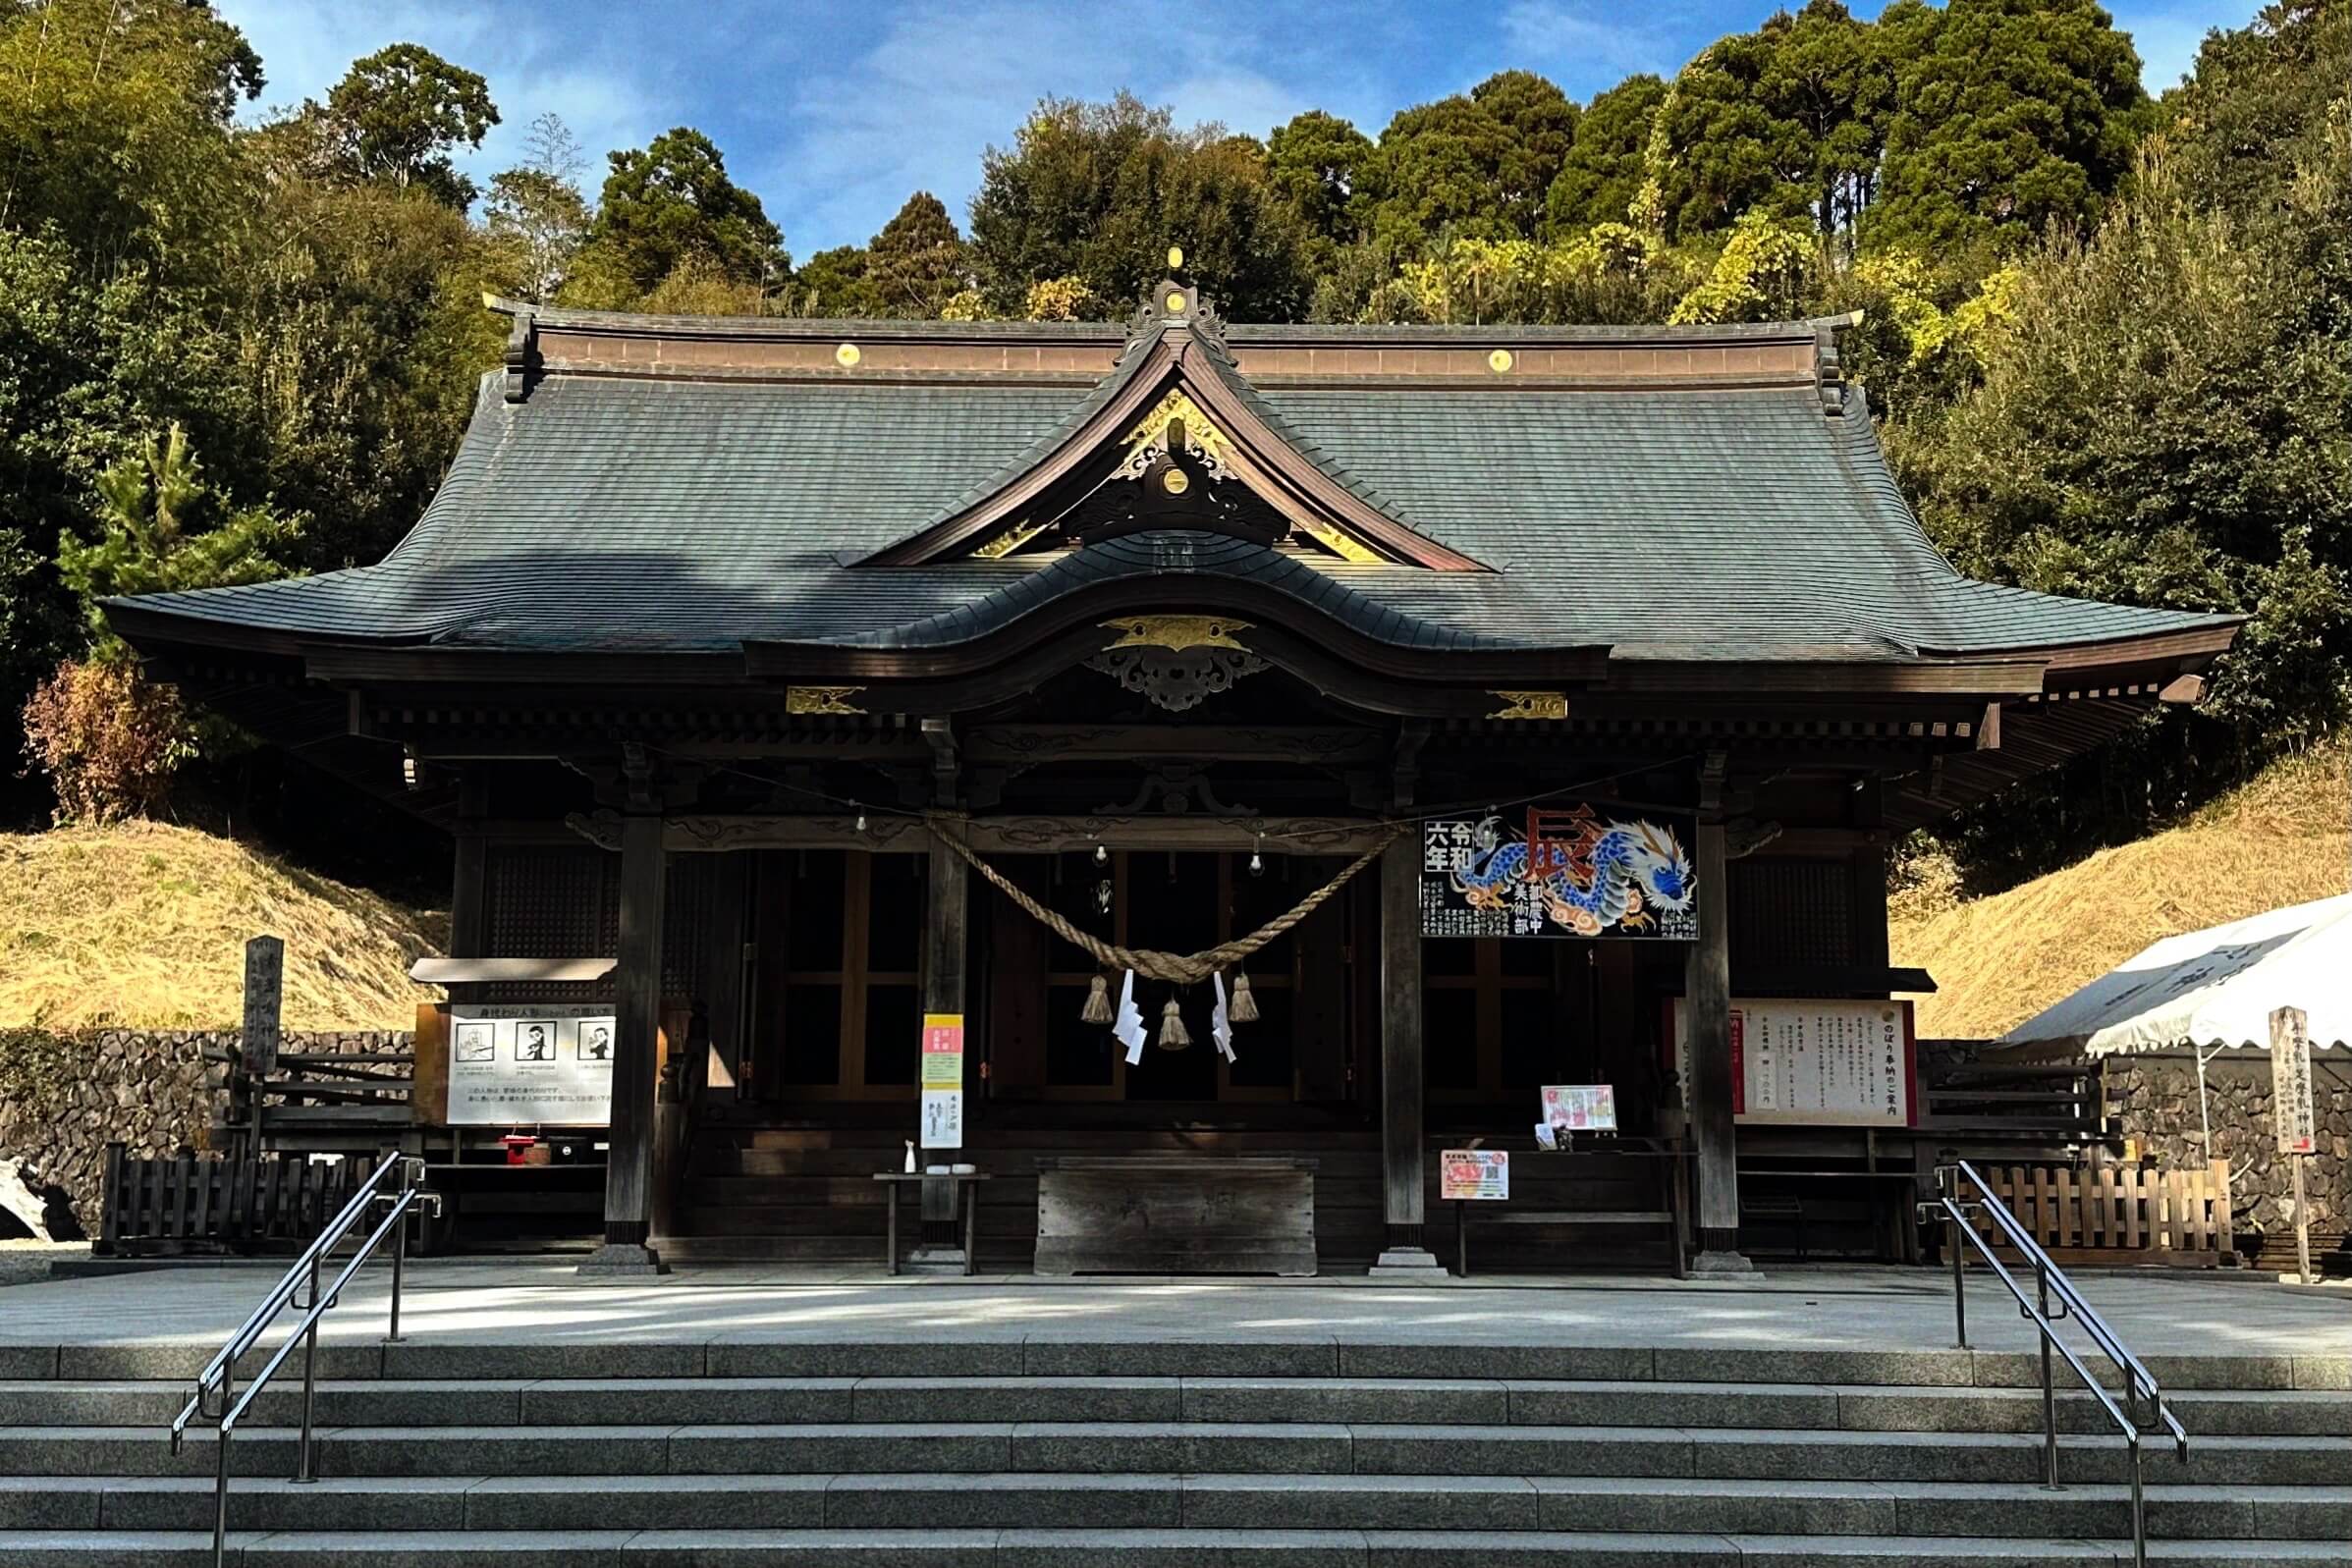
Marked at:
<point>1269,467</point>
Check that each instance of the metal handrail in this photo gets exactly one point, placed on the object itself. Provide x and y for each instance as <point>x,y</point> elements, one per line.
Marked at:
<point>2140,1386</point>
<point>219,1376</point>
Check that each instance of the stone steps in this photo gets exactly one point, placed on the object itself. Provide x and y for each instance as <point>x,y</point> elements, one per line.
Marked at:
<point>1095,1549</point>
<point>681,1401</point>
<point>590,1353</point>
<point>1029,1448</point>
<point>1149,1501</point>
<point>1223,1447</point>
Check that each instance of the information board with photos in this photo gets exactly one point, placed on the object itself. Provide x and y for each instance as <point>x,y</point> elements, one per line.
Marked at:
<point>1474,1175</point>
<point>1580,1106</point>
<point>1821,1064</point>
<point>530,1064</point>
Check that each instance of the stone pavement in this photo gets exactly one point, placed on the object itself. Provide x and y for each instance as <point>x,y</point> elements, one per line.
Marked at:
<point>540,1301</point>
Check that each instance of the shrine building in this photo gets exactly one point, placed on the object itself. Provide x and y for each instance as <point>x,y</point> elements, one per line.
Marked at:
<point>1492,708</point>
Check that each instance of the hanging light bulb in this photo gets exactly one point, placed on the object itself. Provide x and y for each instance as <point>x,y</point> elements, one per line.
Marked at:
<point>1257,858</point>
<point>1101,856</point>
<point>861,822</point>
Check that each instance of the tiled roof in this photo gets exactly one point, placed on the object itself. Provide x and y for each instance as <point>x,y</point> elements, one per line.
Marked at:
<point>676,513</point>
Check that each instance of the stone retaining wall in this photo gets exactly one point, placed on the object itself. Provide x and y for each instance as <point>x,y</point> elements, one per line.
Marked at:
<point>2155,1098</point>
<point>64,1097</point>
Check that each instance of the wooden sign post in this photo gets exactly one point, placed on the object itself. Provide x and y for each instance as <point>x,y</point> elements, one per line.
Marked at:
<point>2291,1106</point>
<point>264,988</point>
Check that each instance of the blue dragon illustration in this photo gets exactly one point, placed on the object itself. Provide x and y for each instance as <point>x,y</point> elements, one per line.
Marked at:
<point>1598,875</point>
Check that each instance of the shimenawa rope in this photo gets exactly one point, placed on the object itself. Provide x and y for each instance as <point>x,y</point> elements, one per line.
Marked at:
<point>1183,969</point>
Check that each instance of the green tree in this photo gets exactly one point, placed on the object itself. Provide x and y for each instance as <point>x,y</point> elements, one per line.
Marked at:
<point>114,129</point>
<point>917,263</point>
<point>837,282</point>
<point>1316,163</point>
<point>161,527</point>
<point>2166,417</point>
<point>1475,164</point>
<point>673,200</point>
<point>1790,119</point>
<point>2232,130</point>
<point>2010,116</point>
<point>1762,275</point>
<point>397,114</point>
<point>1604,167</point>
<point>535,212</point>
<point>1100,191</point>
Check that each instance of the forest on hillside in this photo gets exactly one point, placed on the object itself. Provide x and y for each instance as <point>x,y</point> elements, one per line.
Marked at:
<point>2108,337</point>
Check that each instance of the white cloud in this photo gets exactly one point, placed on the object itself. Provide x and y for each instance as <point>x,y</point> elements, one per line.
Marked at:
<point>1568,41</point>
<point>945,82</point>
<point>307,46</point>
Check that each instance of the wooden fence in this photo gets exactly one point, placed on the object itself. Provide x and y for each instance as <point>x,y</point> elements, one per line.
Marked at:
<point>189,1205</point>
<point>2119,1213</point>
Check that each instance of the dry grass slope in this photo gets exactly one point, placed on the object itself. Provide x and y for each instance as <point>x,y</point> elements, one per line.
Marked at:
<point>144,925</point>
<point>2281,840</point>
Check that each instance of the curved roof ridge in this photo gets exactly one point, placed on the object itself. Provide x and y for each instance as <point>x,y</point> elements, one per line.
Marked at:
<point>1179,554</point>
<point>1223,367</point>
<point>1131,360</point>
<point>1942,594</point>
<point>559,317</point>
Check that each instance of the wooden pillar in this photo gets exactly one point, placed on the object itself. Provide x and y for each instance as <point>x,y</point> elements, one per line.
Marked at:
<point>944,924</point>
<point>1402,1082</point>
<point>637,1049</point>
<point>468,924</point>
<point>1867,881</point>
<point>1707,1001</point>
<point>714,1075</point>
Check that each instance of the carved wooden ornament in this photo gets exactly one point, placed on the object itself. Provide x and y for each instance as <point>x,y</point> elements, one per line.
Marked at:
<point>1531,705</point>
<point>821,699</point>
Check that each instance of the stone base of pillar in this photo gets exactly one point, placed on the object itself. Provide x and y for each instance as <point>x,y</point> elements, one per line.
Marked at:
<point>622,1260</point>
<point>1407,1263</point>
<point>1719,1262</point>
<point>931,1259</point>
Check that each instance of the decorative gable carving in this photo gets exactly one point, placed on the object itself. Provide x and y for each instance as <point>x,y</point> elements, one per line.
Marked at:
<point>1173,439</point>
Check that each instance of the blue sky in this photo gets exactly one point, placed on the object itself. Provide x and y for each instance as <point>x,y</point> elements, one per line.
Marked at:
<point>834,110</point>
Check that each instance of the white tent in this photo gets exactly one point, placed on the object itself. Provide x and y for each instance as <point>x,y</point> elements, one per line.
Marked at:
<point>2214,989</point>
<point>2211,991</point>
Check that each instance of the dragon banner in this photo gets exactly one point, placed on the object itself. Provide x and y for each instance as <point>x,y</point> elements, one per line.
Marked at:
<point>1564,871</point>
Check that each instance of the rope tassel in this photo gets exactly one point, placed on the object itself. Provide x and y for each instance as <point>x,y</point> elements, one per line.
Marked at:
<point>1173,1036</point>
<point>1181,969</point>
<point>1097,1002</point>
<point>1244,1008</point>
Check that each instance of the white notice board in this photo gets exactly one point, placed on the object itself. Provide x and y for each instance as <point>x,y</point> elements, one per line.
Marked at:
<point>530,1064</point>
<point>1815,1064</point>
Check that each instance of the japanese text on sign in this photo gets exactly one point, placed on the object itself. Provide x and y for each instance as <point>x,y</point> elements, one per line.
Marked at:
<point>1559,870</point>
<point>2290,1083</point>
<point>1474,1175</point>
<point>943,1080</point>
<point>529,1065</point>
<point>1580,1106</point>
<point>1815,1064</point>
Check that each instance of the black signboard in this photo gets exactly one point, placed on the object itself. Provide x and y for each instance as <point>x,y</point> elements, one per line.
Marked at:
<point>1559,870</point>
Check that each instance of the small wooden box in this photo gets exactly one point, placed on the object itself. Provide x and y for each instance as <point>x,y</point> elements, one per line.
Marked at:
<point>1175,1214</point>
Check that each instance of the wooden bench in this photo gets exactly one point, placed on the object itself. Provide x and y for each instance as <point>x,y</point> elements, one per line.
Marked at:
<point>1175,1214</point>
